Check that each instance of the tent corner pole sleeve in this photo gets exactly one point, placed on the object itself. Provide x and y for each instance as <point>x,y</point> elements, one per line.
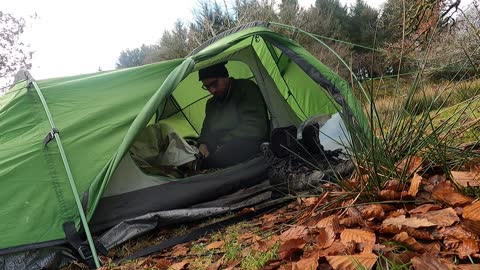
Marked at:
<point>70,178</point>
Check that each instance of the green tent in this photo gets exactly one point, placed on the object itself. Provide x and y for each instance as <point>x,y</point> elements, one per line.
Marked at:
<point>98,117</point>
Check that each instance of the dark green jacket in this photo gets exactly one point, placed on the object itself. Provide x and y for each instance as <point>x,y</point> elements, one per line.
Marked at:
<point>242,114</point>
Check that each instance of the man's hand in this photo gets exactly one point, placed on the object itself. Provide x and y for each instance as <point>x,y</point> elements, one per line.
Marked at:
<point>203,150</point>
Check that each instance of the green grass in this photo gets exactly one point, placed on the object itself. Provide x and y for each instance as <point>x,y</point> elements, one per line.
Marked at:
<point>256,260</point>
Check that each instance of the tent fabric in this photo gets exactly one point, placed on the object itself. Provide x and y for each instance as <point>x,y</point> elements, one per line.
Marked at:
<point>158,150</point>
<point>99,115</point>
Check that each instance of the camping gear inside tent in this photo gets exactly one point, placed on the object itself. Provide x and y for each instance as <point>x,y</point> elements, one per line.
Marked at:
<point>65,165</point>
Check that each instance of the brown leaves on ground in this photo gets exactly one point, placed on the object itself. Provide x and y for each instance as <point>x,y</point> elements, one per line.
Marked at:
<point>352,262</point>
<point>445,193</point>
<point>466,179</point>
<point>427,216</point>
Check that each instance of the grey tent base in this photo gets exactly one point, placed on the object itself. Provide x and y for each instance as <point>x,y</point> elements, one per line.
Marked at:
<point>44,258</point>
<point>137,226</point>
<point>179,194</point>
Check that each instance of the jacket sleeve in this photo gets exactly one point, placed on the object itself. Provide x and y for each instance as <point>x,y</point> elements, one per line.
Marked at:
<point>204,134</point>
<point>252,113</point>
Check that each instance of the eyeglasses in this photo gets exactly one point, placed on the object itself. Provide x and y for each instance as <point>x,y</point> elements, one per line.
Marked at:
<point>213,84</point>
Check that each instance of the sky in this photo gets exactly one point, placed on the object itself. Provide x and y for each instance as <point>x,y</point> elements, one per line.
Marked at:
<point>78,37</point>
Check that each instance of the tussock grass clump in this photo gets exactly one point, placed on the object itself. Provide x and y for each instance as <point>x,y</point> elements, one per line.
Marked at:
<point>418,121</point>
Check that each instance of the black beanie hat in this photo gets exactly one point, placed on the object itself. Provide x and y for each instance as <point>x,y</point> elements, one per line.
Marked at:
<point>217,70</point>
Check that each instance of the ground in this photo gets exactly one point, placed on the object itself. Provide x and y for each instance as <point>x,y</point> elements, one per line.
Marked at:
<point>425,223</point>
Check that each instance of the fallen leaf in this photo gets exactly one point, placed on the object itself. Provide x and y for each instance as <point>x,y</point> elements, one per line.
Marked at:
<point>351,221</point>
<point>410,242</point>
<point>466,179</point>
<point>458,233</point>
<point>424,196</point>
<point>216,265</point>
<point>352,211</point>
<point>388,207</point>
<point>359,237</point>
<point>445,217</point>
<point>389,195</point>
<point>246,236</point>
<point>142,262</point>
<point>417,233</point>
<point>161,263</point>
<point>325,237</point>
<point>472,211</point>
<point>352,262</point>
<point>425,208</point>
<point>428,261</point>
<point>246,210</point>
<point>294,232</point>
<point>272,265</point>
<point>467,247</point>
<point>451,243</point>
<point>471,225</point>
<point>372,211</point>
<point>313,220</point>
<point>269,217</point>
<point>397,213</point>
<point>380,248</point>
<point>310,201</point>
<point>402,258</point>
<point>393,184</point>
<point>444,192</point>
<point>410,165</point>
<point>471,215</point>
<point>466,267</point>
<point>414,185</point>
<point>262,246</point>
<point>180,250</point>
<point>330,221</point>
<point>287,266</point>
<point>215,245</point>
<point>233,263</point>
<point>423,233</point>
<point>179,265</point>
<point>412,222</point>
<point>310,263</point>
<point>337,248</point>
<point>289,247</point>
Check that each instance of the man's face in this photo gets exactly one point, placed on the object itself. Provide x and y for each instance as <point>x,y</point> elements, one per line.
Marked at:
<point>216,86</point>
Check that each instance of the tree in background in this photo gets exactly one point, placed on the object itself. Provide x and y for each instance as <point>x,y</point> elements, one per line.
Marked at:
<point>328,19</point>
<point>455,51</point>
<point>175,43</point>
<point>136,57</point>
<point>210,19</point>
<point>14,55</point>
<point>399,32</point>
<point>331,19</point>
<point>408,28</point>
<point>290,12</point>
<point>362,30</point>
<point>245,11</point>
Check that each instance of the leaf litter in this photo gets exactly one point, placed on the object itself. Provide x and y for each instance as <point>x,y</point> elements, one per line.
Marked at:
<point>426,223</point>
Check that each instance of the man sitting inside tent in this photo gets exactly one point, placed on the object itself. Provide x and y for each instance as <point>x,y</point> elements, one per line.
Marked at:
<point>236,120</point>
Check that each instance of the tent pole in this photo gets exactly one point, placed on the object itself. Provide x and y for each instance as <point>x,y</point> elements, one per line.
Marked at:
<point>70,177</point>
